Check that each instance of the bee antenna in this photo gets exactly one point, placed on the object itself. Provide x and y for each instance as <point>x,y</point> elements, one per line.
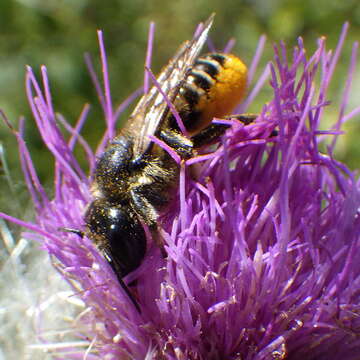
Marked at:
<point>74,231</point>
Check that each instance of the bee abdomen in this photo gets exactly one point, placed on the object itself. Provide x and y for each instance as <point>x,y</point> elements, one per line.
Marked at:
<point>213,88</point>
<point>202,77</point>
<point>209,65</point>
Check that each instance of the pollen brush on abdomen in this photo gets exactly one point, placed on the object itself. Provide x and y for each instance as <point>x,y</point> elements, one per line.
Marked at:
<point>215,85</point>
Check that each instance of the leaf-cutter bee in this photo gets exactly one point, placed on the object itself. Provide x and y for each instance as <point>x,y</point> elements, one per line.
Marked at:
<point>135,177</point>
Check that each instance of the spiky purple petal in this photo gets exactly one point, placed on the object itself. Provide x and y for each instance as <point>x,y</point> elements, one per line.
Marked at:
<point>263,244</point>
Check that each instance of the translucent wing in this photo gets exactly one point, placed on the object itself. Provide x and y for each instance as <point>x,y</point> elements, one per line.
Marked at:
<point>148,114</point>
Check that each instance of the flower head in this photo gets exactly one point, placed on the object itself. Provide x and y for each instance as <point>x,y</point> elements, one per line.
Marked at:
<point>263,244</point>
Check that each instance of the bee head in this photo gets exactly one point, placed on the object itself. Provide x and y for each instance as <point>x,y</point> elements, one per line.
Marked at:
<point>118,233</point>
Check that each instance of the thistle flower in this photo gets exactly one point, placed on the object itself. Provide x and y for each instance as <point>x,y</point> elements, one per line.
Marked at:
<point>263,246</point>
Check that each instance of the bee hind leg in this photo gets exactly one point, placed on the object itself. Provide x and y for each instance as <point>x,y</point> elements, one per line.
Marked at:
<point>212,132</point>
<point>246,119</point>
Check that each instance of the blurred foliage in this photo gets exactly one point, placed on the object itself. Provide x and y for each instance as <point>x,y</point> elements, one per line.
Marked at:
<point>58,32</point>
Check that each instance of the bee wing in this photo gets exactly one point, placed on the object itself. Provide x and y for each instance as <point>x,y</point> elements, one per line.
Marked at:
<point>149,112</point>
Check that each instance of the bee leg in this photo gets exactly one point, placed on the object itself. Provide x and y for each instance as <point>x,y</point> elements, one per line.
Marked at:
<point>212,132</point>
<point>147,211</point>
<point>159,241</point>
<point>246,119</point>
<point>208,135</point>
<point>177,141</point>
<point>184,146</point>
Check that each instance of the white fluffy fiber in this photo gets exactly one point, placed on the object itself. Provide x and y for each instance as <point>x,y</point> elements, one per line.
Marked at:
<point>37,309</point>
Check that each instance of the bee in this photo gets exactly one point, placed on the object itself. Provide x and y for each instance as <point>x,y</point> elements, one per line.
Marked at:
<point>134,177</point>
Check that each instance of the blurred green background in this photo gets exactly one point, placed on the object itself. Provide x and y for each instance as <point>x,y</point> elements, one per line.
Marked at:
<point>58,32</point>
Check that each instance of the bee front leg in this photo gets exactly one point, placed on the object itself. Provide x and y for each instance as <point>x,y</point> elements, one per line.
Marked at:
<point>147,211</point>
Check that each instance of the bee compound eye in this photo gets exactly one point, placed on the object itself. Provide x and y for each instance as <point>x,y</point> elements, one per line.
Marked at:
<point>117,229</point>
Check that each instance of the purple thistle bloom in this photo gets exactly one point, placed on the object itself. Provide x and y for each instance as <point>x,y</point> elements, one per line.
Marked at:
<point>263,246</point>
